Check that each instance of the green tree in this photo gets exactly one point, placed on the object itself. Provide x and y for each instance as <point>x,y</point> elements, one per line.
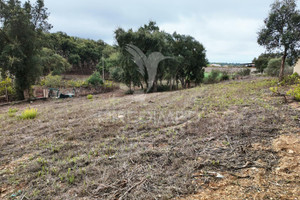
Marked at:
<point>52,62</point>
<point>191,59</point>
<point>187,66</point>
<point>21,29</point>
<point>282,31</point>
<point>82,54</point>
<point>261,63</point>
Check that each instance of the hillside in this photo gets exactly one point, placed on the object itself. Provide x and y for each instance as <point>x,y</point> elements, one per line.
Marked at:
<point>232,140</point>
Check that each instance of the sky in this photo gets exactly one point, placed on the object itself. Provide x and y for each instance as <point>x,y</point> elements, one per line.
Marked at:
<point>227,28</point>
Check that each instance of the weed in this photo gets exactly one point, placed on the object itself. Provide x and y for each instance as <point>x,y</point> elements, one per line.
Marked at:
<point>12,112</point>
<point>90,96</point>
<point>29,113</point>
<point>70,177</point>
<point>295,92</point>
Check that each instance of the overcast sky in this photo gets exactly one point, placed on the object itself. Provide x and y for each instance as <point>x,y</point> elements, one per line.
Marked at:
<point>227,28</point>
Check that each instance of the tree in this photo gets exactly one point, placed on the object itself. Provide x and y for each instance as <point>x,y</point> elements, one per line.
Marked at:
<point>191,59</point>
<point>261,63</point>
<point>52,62</point>
<point>187,66</point>
<point>21,31</point>
<point>82,54</point>
<point>282,31</point>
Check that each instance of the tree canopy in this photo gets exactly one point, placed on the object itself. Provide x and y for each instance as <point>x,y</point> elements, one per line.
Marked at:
<point>281,32</point>
<point>187,66</point>
<point>22,27</point>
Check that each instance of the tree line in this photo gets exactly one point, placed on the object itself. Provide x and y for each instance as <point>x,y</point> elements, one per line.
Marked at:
<point>28,51</point>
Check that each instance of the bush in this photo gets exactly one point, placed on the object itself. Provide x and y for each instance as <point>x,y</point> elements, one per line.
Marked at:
<point>7,85</point>
<point>53,81</point>
<point>90,96</point>
<point>274,65</point>
<point>29,113</point>
<point>225,76</point>
<point>213,77</point>
<point>291,80</point>
<point>76,83</point>
<point>244,72</point>
<point>295,93</point>
<point>108,84</point>
<point>116,74</point>
<point>95,79</point>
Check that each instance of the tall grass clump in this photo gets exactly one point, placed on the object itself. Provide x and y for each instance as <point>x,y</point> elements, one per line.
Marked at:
<point>29,113</point>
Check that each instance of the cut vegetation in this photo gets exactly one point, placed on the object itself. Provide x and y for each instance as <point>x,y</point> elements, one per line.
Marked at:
<point>233,140</point>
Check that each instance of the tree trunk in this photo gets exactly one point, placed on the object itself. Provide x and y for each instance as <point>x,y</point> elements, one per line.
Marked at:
<point>281,74</point>
<point>155,86</point>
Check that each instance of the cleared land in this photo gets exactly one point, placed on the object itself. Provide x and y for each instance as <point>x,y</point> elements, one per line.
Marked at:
<point>231,140</point>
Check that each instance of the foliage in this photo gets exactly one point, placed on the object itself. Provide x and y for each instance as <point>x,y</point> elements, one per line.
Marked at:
<point>12,111</point>
<point>53,62</point>
<point>90,96</point>
<point>274,90</point>
<point>29,113</point>
<point>189,56</point>
<point>225,76</point>
<point>82,54</point>
<point>273,68</point>
<point>76,83</point>
<point>295,92</point>
<point>282,31</point>
<point>213,77</point>
<point>244,72</point>
<point>7,85</point>
<point>108,84</point>
<point>95,79</point>
<point>21,30</point>
<point>261,63</point>
<point>291,80</point>
<point>53,81</point>
<point>116,74</point>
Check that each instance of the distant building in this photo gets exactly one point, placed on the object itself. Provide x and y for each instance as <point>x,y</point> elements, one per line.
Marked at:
<point>297,67</point>
<point>215,65</point>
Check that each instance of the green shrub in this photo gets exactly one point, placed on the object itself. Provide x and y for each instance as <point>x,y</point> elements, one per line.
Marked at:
<point>244,72</point>
<point>90,96</point>
<point>291,80</point>
<point>213,77</point>
<point>53,81</point>
<point>295,92</point>
<point>95,79</point>
<point>7,85</point>
<point>274,65</point>
<point>108,84</point>
<point>274,90</point>
<point>225,76</point>
<point>12,112</point>
<point>29,113</point>
<point>76,83</point>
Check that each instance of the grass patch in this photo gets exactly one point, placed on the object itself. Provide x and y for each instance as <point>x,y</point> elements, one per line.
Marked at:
<point>29,113</point>
<point>12,112</point>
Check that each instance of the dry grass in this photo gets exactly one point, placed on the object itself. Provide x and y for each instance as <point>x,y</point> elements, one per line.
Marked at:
<point>155,146</point>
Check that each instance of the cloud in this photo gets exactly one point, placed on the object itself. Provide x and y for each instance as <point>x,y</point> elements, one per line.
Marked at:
<point>228,29</point>
<point>225,38</point>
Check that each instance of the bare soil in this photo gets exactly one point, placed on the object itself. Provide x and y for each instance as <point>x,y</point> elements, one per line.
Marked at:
<point>231,140</point>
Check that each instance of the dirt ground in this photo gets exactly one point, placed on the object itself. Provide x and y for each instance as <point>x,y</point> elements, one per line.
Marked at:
<point>231,140</point>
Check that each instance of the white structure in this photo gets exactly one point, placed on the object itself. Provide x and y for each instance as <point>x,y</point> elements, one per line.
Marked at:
<point>297,67</point>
